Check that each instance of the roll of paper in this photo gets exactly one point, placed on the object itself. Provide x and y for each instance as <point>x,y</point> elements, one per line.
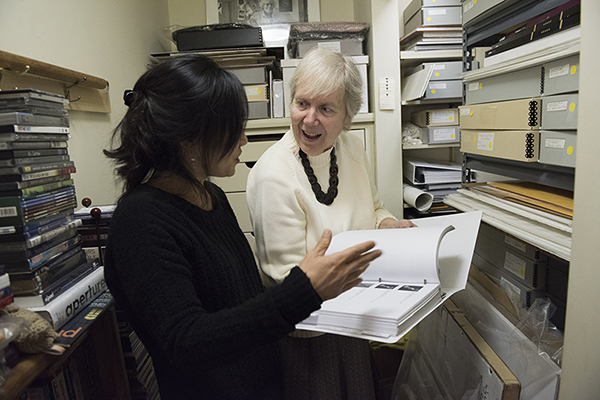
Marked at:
<point>417,198</point>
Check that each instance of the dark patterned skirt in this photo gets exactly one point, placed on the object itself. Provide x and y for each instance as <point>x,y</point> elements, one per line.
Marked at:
<point>327,367</point>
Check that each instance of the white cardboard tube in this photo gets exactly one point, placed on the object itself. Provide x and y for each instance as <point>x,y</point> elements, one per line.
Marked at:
<point>417,198</point>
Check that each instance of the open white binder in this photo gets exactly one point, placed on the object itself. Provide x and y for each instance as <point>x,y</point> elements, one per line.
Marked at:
<point>419,268</point>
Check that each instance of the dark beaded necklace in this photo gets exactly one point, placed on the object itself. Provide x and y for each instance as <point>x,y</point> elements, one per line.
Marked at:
<point>324,198</point>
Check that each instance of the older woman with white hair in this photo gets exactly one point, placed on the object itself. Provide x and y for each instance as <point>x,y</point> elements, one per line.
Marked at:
<point>316,177</point>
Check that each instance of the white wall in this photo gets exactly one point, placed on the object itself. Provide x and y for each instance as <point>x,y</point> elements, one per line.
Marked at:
<point>110,39</point>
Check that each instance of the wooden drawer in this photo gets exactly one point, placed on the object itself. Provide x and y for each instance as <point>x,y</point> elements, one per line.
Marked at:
<point>250,154</point>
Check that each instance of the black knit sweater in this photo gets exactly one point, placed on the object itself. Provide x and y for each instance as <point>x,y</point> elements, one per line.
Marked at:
<point>187,282</point>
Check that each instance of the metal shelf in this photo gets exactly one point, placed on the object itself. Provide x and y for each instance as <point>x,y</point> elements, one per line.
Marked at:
<point>544,174</point>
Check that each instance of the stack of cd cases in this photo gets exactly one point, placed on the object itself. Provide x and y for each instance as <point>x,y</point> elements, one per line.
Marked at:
<point>40,247</point>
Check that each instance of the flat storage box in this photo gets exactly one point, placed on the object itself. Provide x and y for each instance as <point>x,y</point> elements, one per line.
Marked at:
<point>442,70</point>
<point>561,76</point>
<point>529,272</point>
<point>414,6</point>
<point>474,8</point>
<point>517,291</point>
<point>288,66</point>
<point>250,75</point>
<point>440,134</point>
<point>558,147</point>
<point>207,37</point>
<point>449,89</point>
<point>441,117</point>
<point>514,85</point>
<point>510,145</point>
<point>513,114</point>
<point>434,16</point>
<point>560,111</point>
<point>516,245</point>
<point>349,47</point>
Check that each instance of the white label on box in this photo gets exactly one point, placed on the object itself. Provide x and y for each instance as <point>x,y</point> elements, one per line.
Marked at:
<point>558,71</point>
<point>468,5</point>
<point>555,143</point>
<point>473,86</point>
<point>439,66</point>
<point>335,46</point>
<point>437,11</point>
<point>557,106</point>
<point>485,141</point>
<point>444,134</point>
<point>437,86</point>
<point>252,90</point>
<point>465,111</point>
<point>8,212</point>
<point>517,244</point>
<point>515,265</point>
<point>7,230</point>
<point>441,117</point>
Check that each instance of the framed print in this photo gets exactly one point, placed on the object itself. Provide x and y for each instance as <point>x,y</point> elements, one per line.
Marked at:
<point>261,12</point>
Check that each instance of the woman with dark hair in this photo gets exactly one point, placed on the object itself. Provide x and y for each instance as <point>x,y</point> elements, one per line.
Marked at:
<point>177,262</point>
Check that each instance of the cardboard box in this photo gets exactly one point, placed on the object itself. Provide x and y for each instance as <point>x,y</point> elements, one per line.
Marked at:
<point>523,295</point>
<point>259,109</point>
<point>450,89</point>
<point>442,70</point>
<point>514,114</point>
<point>560,111</point>
<point>558,147</point>
<point>414,6</point>
<point>561,76</point>
<point>520,247</point>
<point>288,66</point>
<point>510,145</point>
<point>440,134</point>
<point>441,117</point>
<point>249,75</point>
<point>434,16</point>
<point>529,272</point>
<point>349,47</point>
<point>514,85</point>
<point>473,8</point>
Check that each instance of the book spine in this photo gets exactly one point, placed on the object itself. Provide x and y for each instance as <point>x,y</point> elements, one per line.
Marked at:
<point>15,185</point>
<point>37,240</point>
<point>41,129</point>
<point>24,161</point>
<point>37,190</point>
<point>42,144</point>
<point>27,264</point>
<point>45,174</point>
<point>62,309</point>
<point>31,153</point>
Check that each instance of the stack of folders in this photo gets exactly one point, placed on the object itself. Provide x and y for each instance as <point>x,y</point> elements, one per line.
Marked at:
<point>40,248</point>
<point>435,177</point>
<point>258,70</point>
<point>534,213</point>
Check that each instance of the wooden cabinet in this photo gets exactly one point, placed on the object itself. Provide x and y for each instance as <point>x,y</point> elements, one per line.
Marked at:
<point>103,356</point>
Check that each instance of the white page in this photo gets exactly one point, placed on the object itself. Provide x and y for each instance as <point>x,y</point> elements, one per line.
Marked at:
<point>409,255</point>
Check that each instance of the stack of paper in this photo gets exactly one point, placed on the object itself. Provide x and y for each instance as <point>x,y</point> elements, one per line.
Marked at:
<point>419,269</point>
<point>534,213</point>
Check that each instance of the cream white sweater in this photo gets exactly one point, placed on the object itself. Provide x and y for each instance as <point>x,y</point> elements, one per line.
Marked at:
<point>287,218</point>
